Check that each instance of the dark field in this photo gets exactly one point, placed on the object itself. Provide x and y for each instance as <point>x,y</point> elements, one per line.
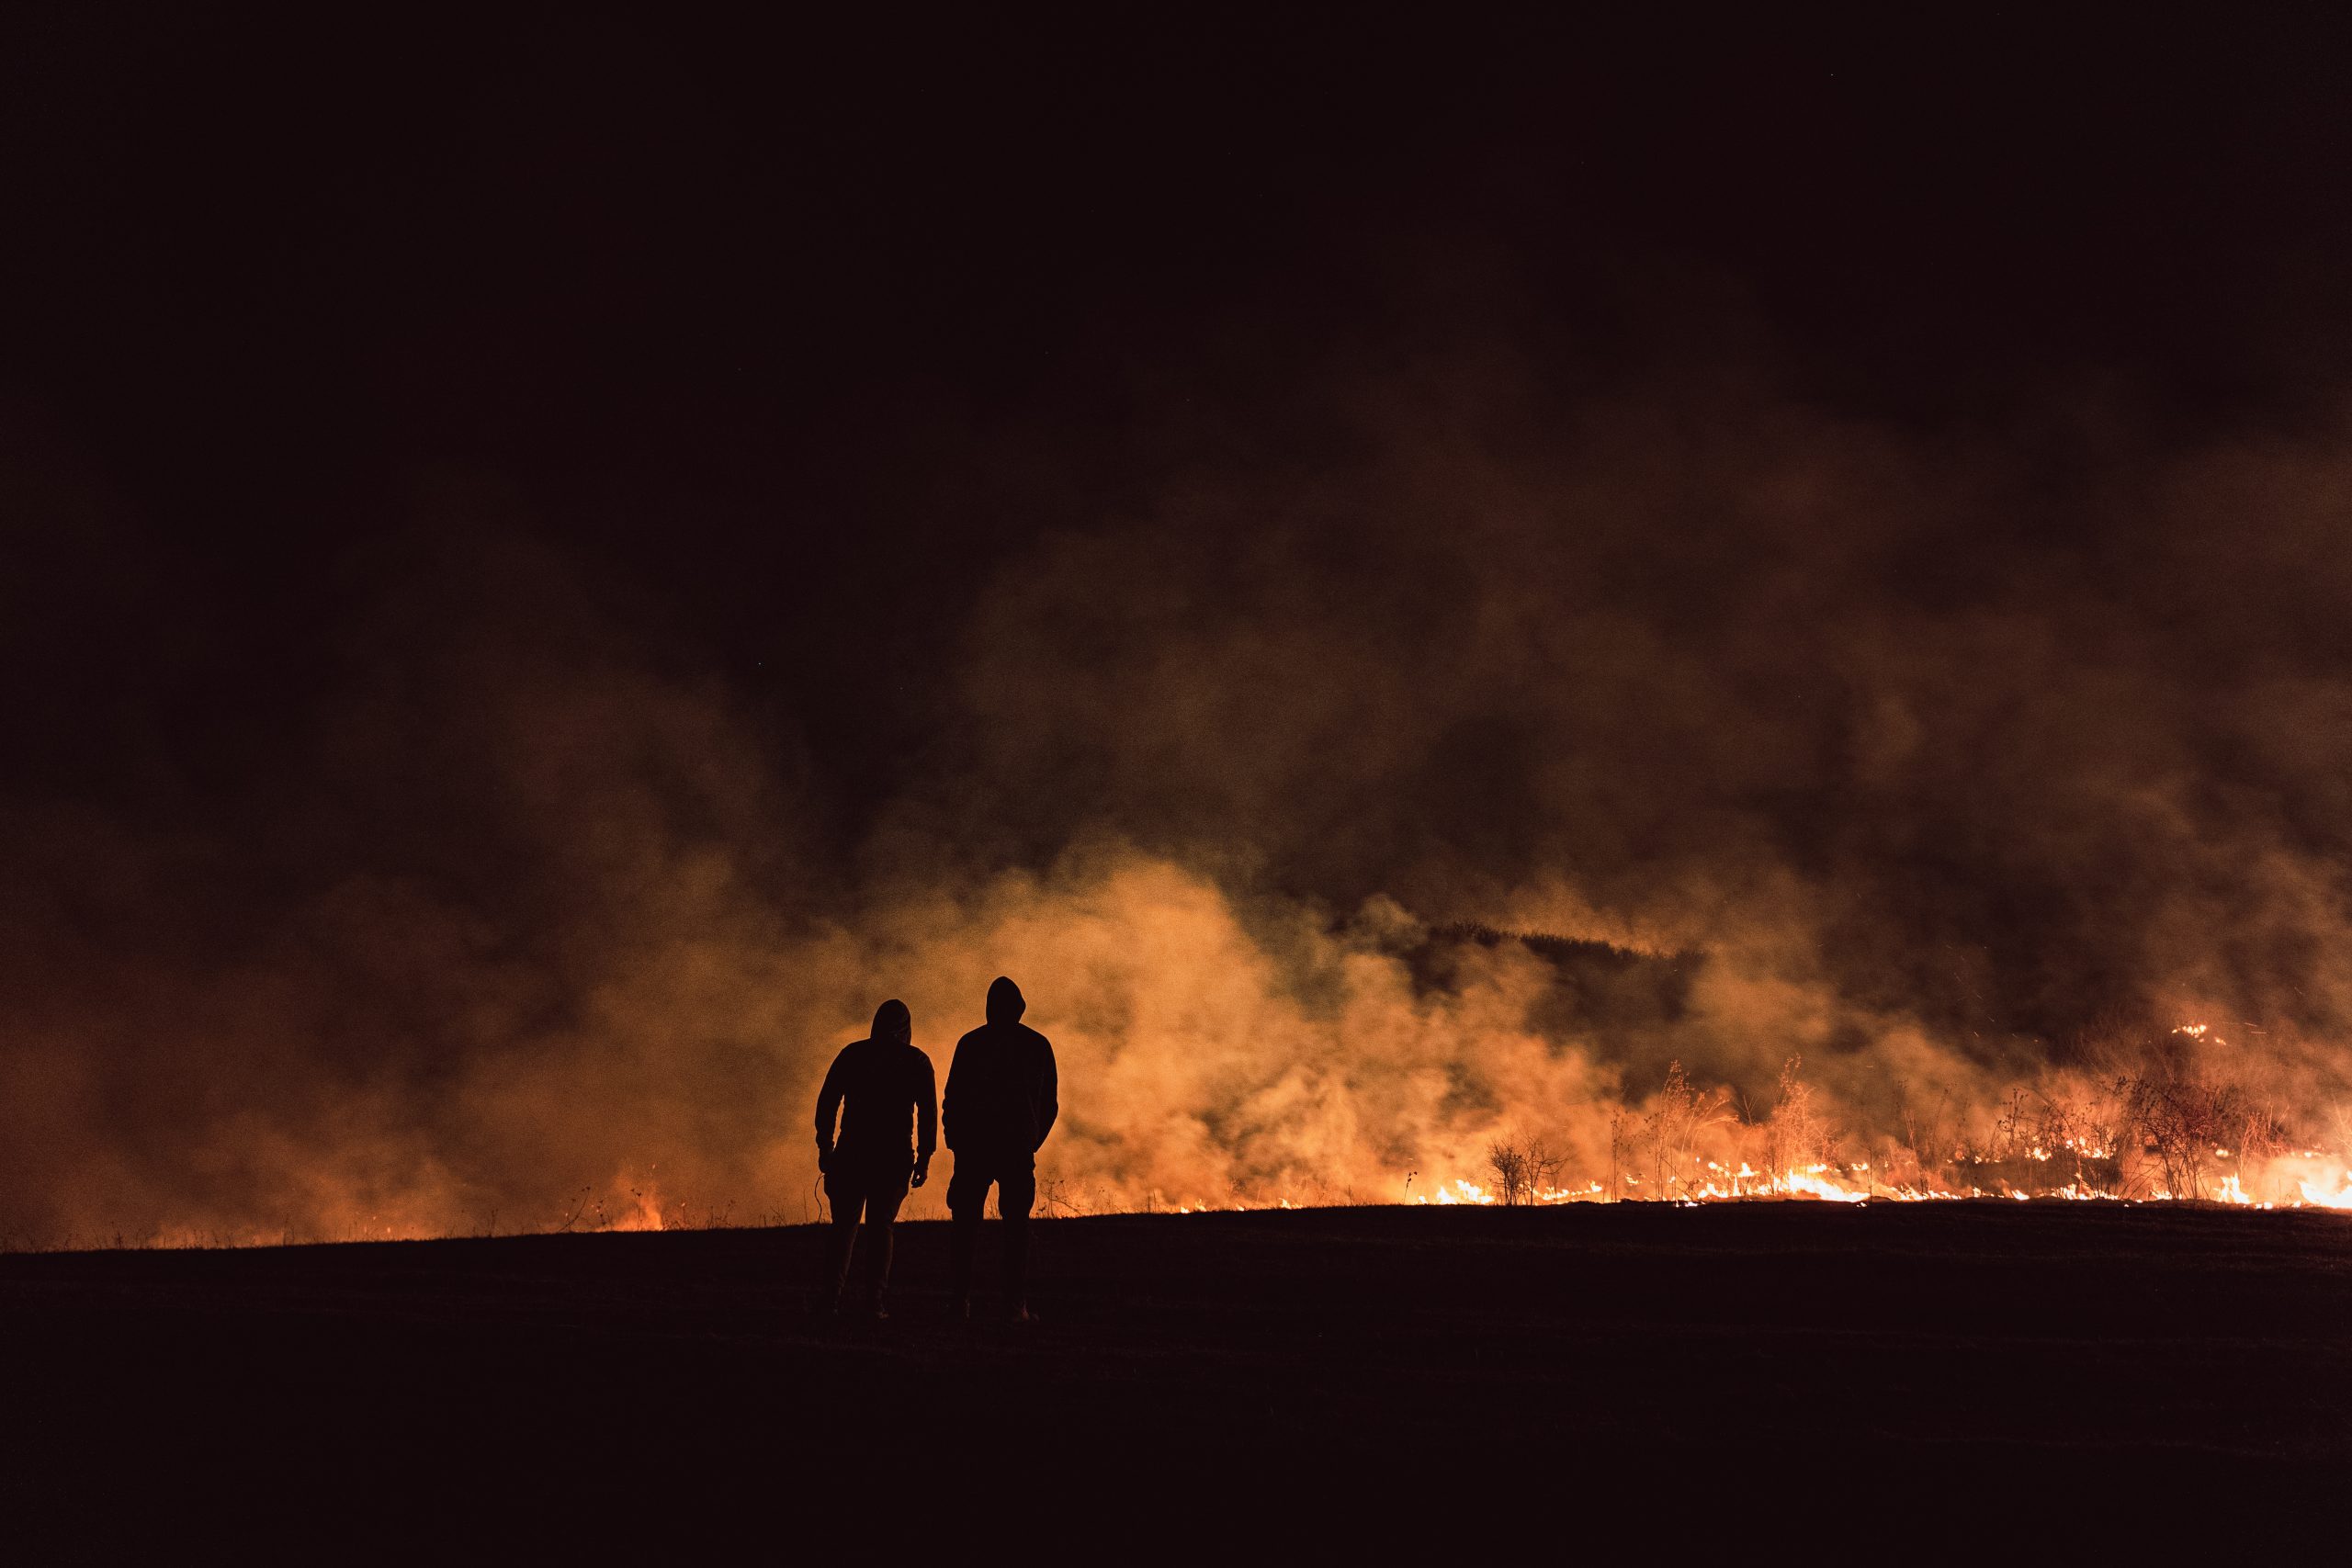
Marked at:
<point>1880,1381</point>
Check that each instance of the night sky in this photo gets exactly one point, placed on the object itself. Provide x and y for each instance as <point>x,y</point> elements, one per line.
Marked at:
<point>550,561</point>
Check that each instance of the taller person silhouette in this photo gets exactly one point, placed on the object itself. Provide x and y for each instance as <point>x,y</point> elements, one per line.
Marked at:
<point>880,1087</point>
<point>1002,1097</point>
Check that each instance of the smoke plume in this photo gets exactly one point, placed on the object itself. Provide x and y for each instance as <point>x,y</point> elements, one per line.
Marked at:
<point>1962,772</point>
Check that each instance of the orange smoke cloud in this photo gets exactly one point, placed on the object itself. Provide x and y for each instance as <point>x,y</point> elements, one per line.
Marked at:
<point>1784,755</point>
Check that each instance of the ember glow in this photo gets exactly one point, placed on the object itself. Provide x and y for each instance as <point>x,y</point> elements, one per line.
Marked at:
<point>1223,1052</point>
<point>1258,1055</point>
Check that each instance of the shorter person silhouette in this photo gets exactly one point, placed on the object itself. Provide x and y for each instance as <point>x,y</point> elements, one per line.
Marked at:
<point>879,1087</point>
<point>1002,1097</point>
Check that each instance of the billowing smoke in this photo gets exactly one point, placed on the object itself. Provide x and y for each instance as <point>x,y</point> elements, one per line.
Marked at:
<point>1964,776</point>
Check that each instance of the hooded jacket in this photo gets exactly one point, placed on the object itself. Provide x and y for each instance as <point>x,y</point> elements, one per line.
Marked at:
<point>1002,1092</point>
<point>880,1086</point>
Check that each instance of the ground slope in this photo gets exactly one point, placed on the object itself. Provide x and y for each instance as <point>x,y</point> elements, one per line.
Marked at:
<point>1277,1382</point>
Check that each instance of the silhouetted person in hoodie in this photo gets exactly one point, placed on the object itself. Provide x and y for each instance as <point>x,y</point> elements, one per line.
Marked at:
<point>1001,1101</point>
<point>881,1087</point>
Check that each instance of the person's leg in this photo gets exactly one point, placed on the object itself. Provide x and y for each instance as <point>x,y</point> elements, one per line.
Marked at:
<point>887,1191</point>
<point>845,1199</point>
<point>1016,1192</point>
<point>968,1201</point>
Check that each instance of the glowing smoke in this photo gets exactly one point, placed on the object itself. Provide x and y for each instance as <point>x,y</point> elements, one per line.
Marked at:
<point>1839,748</point>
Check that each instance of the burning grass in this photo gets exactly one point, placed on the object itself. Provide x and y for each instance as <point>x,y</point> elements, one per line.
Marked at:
<point>2167,1129</point>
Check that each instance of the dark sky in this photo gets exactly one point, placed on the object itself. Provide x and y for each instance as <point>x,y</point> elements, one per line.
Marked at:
<point>1877,484</point>
<point>802,327</point>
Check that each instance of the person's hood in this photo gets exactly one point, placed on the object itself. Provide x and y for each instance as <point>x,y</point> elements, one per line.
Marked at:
<point>1005,1003</point>
<point>893,1023</point>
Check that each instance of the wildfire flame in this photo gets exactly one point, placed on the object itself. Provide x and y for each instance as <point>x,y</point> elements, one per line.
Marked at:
<point>1854,1184</point>
<point>2337,1197</point>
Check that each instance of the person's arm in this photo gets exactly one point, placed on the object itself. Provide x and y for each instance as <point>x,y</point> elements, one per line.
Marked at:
<point>926,1118</point>
<point>947,1101</point>
<point>1049,1093</point>
<point>829,1106</point>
